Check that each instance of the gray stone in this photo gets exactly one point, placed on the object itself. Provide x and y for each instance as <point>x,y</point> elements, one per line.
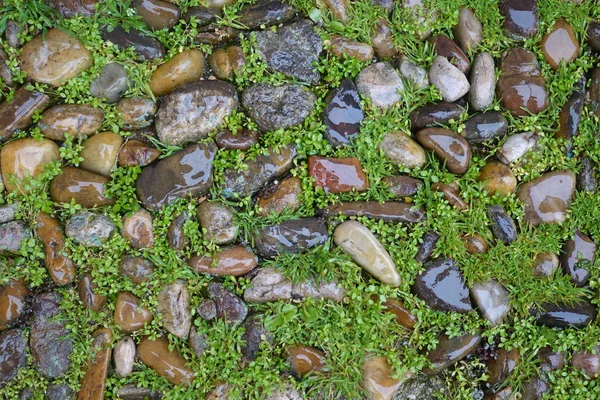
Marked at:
<point>468,32</point>
<point>13,354</point>
<point>254,334</point>
<point>218,221</point>
<point>483,82</point>
<point>380,83</point>
<point>207,309</point>
<point>174,306</point>
<point>516,146</point>
<point>421,387</point>
<point>492,300</point>
<point>59,392</point>
<point>452,83</point>
<point>288,393</point>
<point>198,342</point>
<point>111,84</point>
<point>12,235</point>
<point>586,177</point>
<point>325,290</point>
<point>229,307</point>
<point>412,72</point>
<point>89,229</point>
<point>7,212</point>
<point>124,356</point>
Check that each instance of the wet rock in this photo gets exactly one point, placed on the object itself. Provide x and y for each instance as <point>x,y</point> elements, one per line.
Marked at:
<point>305,359</point>
<point>500,367</point>
<point>545,264</point>
<point>24,159</point>
<point>185,173</point>
<point>546,198</point>
<point>169,364</point>
<point>70,119</point>
<point>570,114</point>
<point>492,300</point>
<point>217,221</point>
<point>522,94</point>
<point>377,378</point>
<point>88,295</point>
<point>277,107</point>
<point>535,389</point>
<point>520,17</point>
<point>434,114</point>
<point>176,235</point>
<point>137,229</point>
<point>451,194</point>
<point>72,8</point>
<point>288,393</point>
<point>343,114</point>
<point>184,67</point>
<point>448,49</point>
<point>89,229</point>
<point>17,114</point>
<point>49,339</point>
<point>468,32</point>
<point>229,307</point>
<point>586,178</point>
<point>518,61</point>
<point>516,146</point>
<point>254,334</point>
<point>411,72</point>
<point>497,178</point>
<point>483,82</point>
<point>224,62</point>
<point>587,362</point>
<point>12,303</point>
<point>207,310</point>
<point>339,8</point>
<point>8,212</point>
<point>138,269</point>
<point>576,253</point>
<point>344,47</point>
<point>364,248</point>
<point>12,235</point>
<point>325,290</point>
<point>380,83</point>
<point>157,14</point>
<point>111,84</point>
<point>291,236</point>
<point>420,387</point>
<point>550,360</point>
<point>429,241</point>
<point>382,40</point>
<point>124,356</point>
<point>136,152</point>
<point>59,392</point>
<point>450,148</point>
<point>130,315</point>
<point>132,392</point>
<point>214,34</point>
<point>401,149</point>
<point>260,170</point>
<point>6,75</point>
<point>448,79</point>
<point>265,13</point>
<point>241,140</point>
<point>86,188</point>
<point>337,175</point>
<point>13,356</point>
<point>577,315</point>
<point>236,260</point>
<point>100,152</point>
<point>403,186</point>
<point>485,127</point>
<point>136,112</point>
<point>293,50</point>
<point>194,110</point>
<point>174,307</point>
<point>594,89</point>
<point>60,267</point>
<point>390,211</point>
<point>402,315</point>
<point>198,342</point>
<point>94,380</point>
<point>284,197</point>
<point>560,44</point>
<point>450,350</point>
<point>593,36</point>
<point>503,227</point>
<point>442,286</point>
<point>146,48</point>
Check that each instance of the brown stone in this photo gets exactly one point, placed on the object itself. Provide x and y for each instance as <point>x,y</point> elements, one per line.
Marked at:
<point>449,147</point>
<point>578,250</point>
<point>403,186</point>
<point>545,264</point>
<point>75,120</point>
<point>342,46</point>
<point>186,66</point>
<point>450,350</point>
<point>389,211</point>
<point>157,14</point>
<point>451,195</point>
<point>242,140</point>
<point>136,112</point>
<point>176,235</point>
<point>25,159</point>
<point>587,362</point>
<point>546,198</point>
<point>284,197</point>
<point>224,62</point>
<point>500,367</point>
<point>94,379</point>
<point>382,40</point>
<point>305,359</point>
<point>170,364</point>
<point>137,229</point>
<point>518,61</point>
<point>403,316</point>
<point>130,315</point>
<point>12,302</point>
<point>60,267</point>
<point>520,17</point>
<point>136,152</point>
<point>337,175</point>
<point>236,260</point>
<point>18,114</point>
<point>497,178</point>
<point>377,378</point>
<point>86,188</point>
<point>475,244</point>
<point>446,47</point>
<point>522,95</point>
<point>560,44</point>
<point>88,295</point>
<point>138,269</point>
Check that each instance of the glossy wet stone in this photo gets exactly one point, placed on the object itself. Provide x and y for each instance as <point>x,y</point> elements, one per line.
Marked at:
<point>100,152</point>
<point>485,127</point>
<point>217,221</point>
<point>49,340</point>
<point>18,114</point>
<point>267,13</point>
<point>145,47</point>
<point>587,362</point>
<point>12,236</point>
<point>450,350</point>
<point>13,354</point>
<point>230,308</point>
<point>586,178</point>
<point>570,114</point>
<point>169,364</point>
<point>468,32</point>
<point>449,147</point>
<point>516,146</point>
<point>136,112</point>
<point>382,40</point>
<point>401,149</point>
<point>551,360</point>
<point>483,82</point>
<point>86,188</point>
<point>138,269</point>
<point>547,198</point>
<point>337,175</point>
<point>545,264</point>
<point>497,178</point>
<point>136,152</point>
<point>96,371</point>
<point>12,302</point>
<point>343,114</point>
<point>492,300</point>
<point>88,293</point>
<point>157,14</point>
<point>577,315</point>
<point>366,250</point>
<point>451,194</point>
<point>224,62</point>
<point>291,236</point>
<point>184,67</point>
<point>54,57</point>
<point>124,356</point>
<point>343,47</point>
<point>520,17</point>
<point>500,367</point>
<point>560,44</point>
<point>292,50</point>
<point>519,61</point>
<point>72,8</point>
<point>403,186</point>
<point>574,256</point>
<point>435,113</point>
<point>187,172</point>
<point>402,315</point>
<point>214,34</point>
<point>390,211</point>
<point>89,229</point>
<point>593,36</point>
<point>176,235</point>
<point>70,119</point>
<point>137,229</point>
<point>23,159</point>
<point>284,196</point>
<point>411,72</point>
<point>305,359</point>
<point>339,8</point>
<point>194,110</point>
<point>380,83</point>
<point>448,49</point>
<point>129,314</point>
<point>236,260</point>
<point>442,286</point>
<point>502,225</point>
<point>522,95</point>
<point>241,140</point>
<point>254,334</point>
<point>427,246</point>
<point>174,307</point>
<point>60,267</point>
<point>449,80</point>
<point>260,170</point>
<point>111,84</point>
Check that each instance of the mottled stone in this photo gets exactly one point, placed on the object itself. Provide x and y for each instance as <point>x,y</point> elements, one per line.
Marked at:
<point>448,79</point>
<point>12,235</point>
<point>587,362</point>
<point>337,175</point>
<point>88,295</point>
<point>100,152</point>
<point>305,359</point>
<point>492,300</point>
<point>136,152</point>
<point>207,310</point>
<point>324,290</point>
<point>86,188</point>
<point>74,120</point>
<point>225,62</point>
<point>377,378</point>
<point>380,83</point>
<point>214,34</point>
<point>291,236</point>
<point>111,84</point>
<point>574,256</point>
<point>124,356</point>
<point>13,354</point>
<point>448,49</point>
<point>500,367</point>
<point>254,334</point>
<point>560,44</point>
<point>58,263</point>
<point>8,212</point>
<point>217,221</point>
<point>451,148</point>
<point>145,47</point>
<point>389,211</point>
<point>382,40</point>
<point>434,114</point>
<point>138,269</point>
<point>137,229</point>
<point>132,392</point>
<point>401,149</point>
<point>184,67</point>
<point>265,13</point>
<point>284,196</point>
<point>442,286</point>
<point>516,146</point>
<point>72,8</point>
<point>59,392</point>
<point>450,350</point>
<point>230,308</point>
<point>586,178</point>
<point>520,17</point>
<point>136,112</point>
<point>535,389</point>
<point>12,303</point>
<point>546,198</point>
<point>24,159</point>
<point>343,114</point>
<point>576,315</point>
<point>412,73</point>
<point>89,229</point>
<point>468,32</point>
<point>169,364</point>
<point>18,114</point>
<point>403,186</point>
<point>339,8</point>
<point>129,314</point>
<point>421,387</point>
<point>545,264</point>
<point>198,342</point>
<point>483,82</point>
<point>96,371</point>
<point>236,260</point>
<point>174,307</point>
<point>157,14</point>
<point>519,61</point>
<point>497,178</point>
<point>343,47</point>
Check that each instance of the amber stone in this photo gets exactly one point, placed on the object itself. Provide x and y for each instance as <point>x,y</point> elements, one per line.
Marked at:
<point>449,147</point>
<point>58,263</point>
<point>157,14</point>
<point>560,44</point>
<point>377,378</point>
<point>342,46</point>
<point>546,198</point>
<point>500,367</point>
<point>475,244</point>
<point>497,178</point>
<point>137,229</point>
<point>305,359</point>
<point>284,197</point>
<point>170,364</point>
<point>12,302</point>
<point>136,152</point>
<point>402,315</point>
<point>337,175</point>
<point>451,195</point>
<point>236,260</point>
<point>87,293</point>
<point>86,188</point>
<point>18,114</point>
<point>94,379</point>
<point>130,315</point>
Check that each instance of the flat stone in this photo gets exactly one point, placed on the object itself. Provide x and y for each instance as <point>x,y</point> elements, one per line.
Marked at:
<point>520,17</point>
<point>427,246</point>
<point>500,368</point>
<point>244,139</point>
<point>492,300</point>
<point>86,188</point>
<point>450,351</point>
<point>448,79</point>
<point>96,372</point>
<point>278,107</point>
<point>24,159</point>
<point>497,178</point>
<point>343,47</point>
<point>485,127</point>
<point>377,378</point>
<point>12,303</point>
<point>503,227</point>
<point>516,146</point>
<point>452,149</point>
<point>89,229</point>
<point>111,84</point>
<point>185,173</point>
<point>401,149</point>
<point>575,254</point>
<point>184,67</point>
<point>577,315</point>
<point>390,211</point>
<point>382,40</point>
<point>136,152</point>
<point>169,364</point>
<point>434,114</point>
<point>54,57</point>
<point>132,392</point>
<point>217,221</point>
<point>136,112</point>
<point>305,359</point>
<point>292,50</point>
<point>18,114</point>
<point>291,236</point>
<point>230,308</point>
<point>343,114</point>
<point>138,269</point>
<point>468,32</point>
<point>236,260</point>
<point>403,186</point>
<point>225,62</point>
<point>13,355</point>
<point>88,293</point>
<point>483,82</point>
<point>522,94</point>
<point>145,47</point>
<point>560,44</point>
<point>215,35</point>
<point>100,152</point>
<point>174,307</point>
<point>442,286</point>
<point>545,264</point>
<point>194,110</point>
<point>412,73</point>
<point>157,14</point>
<point>75,120</point>
<point>12,235</point>
<point>137,229</point>
<point>337,175</point>
<point>587,362</point>
<point>380,84</point>
<point>265,13</point>
<point>447,48</point>
<point>124,356</point>
<point>546,198</point>
<point>58,263</point>
<point>284,196</point>
<point>364,248</point>
<point>130,315</point>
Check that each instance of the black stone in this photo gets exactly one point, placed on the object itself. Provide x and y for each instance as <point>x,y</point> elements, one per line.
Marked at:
<point>343,114</point>
<point>442,286</point>
<point>577,315</point>
<point>291,236</point>
<point>426,248</point>
<point>265,13</point>
<point>484,127</point>
<point>434,114</point>
<point>503,227</point>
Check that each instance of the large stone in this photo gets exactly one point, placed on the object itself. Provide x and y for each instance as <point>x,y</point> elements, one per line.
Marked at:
<point>448,79</point>
<point>520,17</point>
<point>217,220</point>
<point>468,32</point>
<point>522,95</point>
<point>492,300</point>
<point>174,307</point>
<point>96,371</point>
<point>194,110</point>
<point>292,236</point>
<point>157,14</point>
<point>74,120</point>
<point>236,260</point>
<point>442,286</point>
<point>560,44</point>
<point>58,263</point>
<point>100,152</point>
<point>86,188</point>
<point>169,364</point>
<point>343,114</point>
<point>12,302</point>
<point>54,57</point>
<point>576,253</point>
<point>13,354</point>
<point>576,315</point>
<point>145,48</point>
<point>24,159</point>
<point>265,13</point>
<point>18,114</point>
<point>230,308</point>
<point>452,149</point>
<point>390,211</point>
<point>337,175</point>
<point>380,84</point>
<point>547,198</point>
<point>450,351</point>
<point>130,315</point>
<point>184,67</point>
<point>89,229</point>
